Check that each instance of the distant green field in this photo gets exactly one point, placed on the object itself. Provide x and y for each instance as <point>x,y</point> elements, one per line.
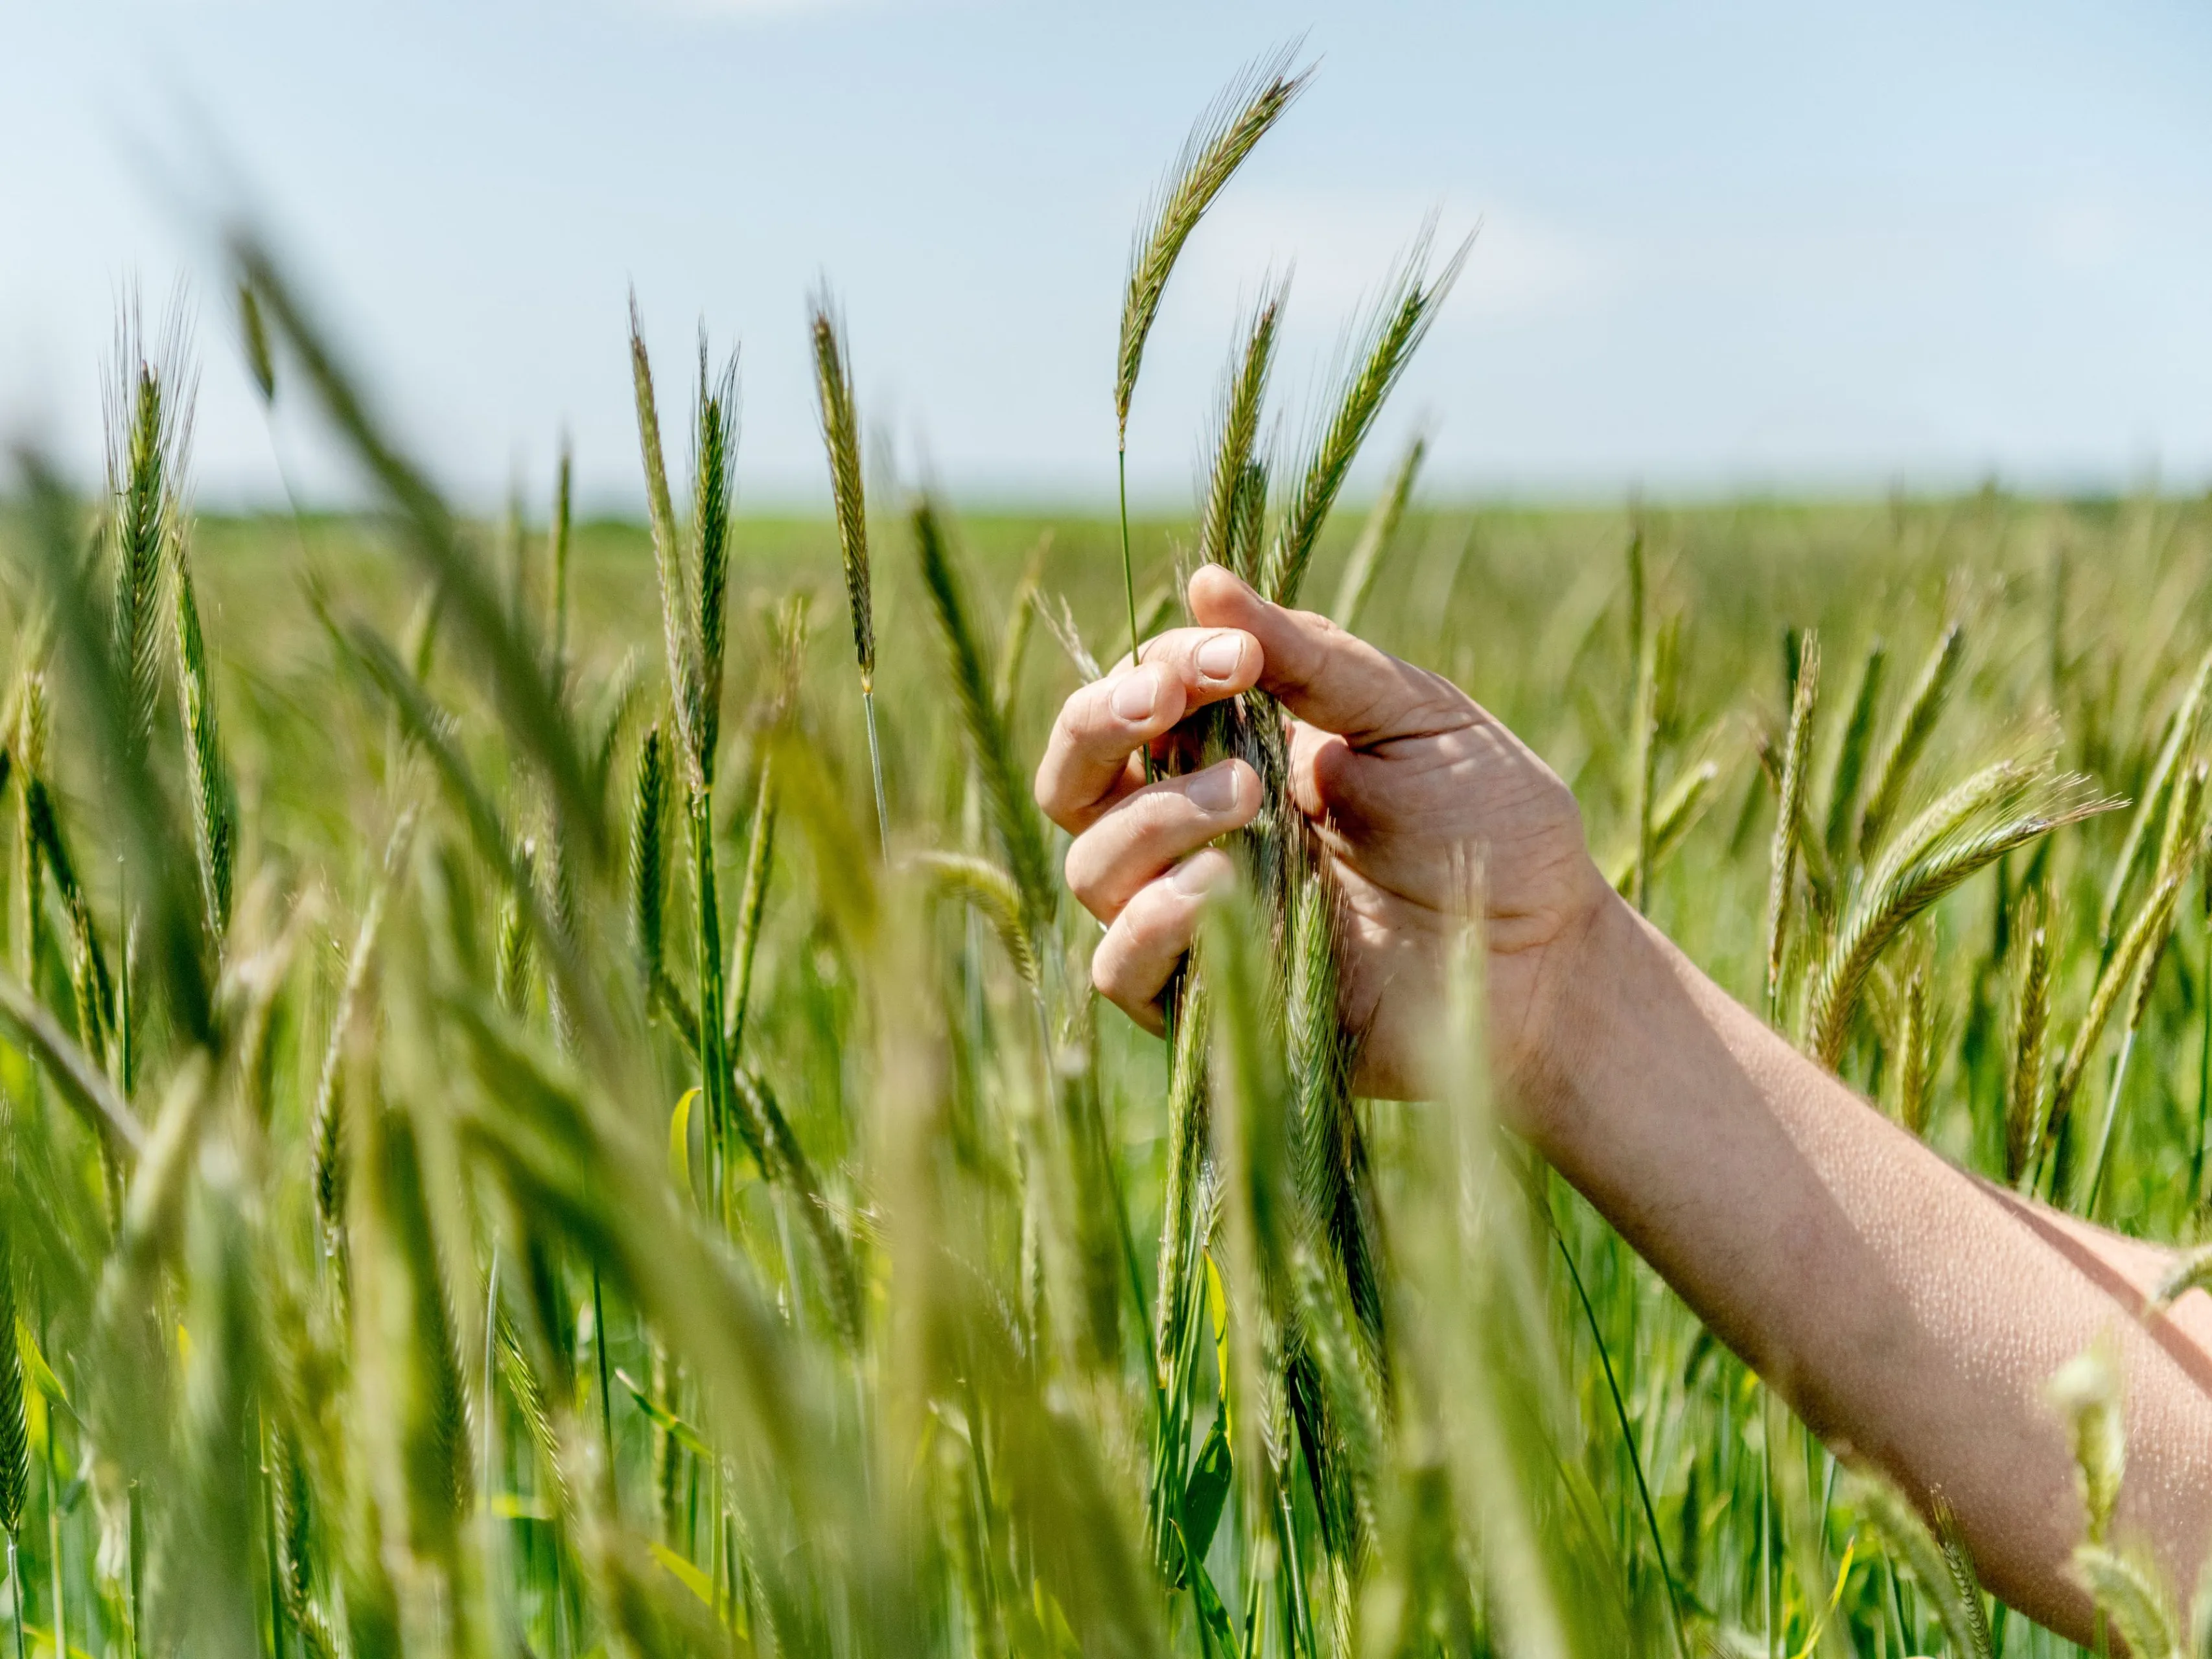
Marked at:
<point>441,1313</point>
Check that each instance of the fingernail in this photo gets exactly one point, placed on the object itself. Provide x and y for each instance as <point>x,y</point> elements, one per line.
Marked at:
<point>1195,874</point>
<point>1217,657</point>
<point>1138,693</point>
<point>1213,790</point>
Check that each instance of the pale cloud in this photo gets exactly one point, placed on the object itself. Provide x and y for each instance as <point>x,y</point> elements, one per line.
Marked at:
<point>1342,248</point>
<point>2087,233</point>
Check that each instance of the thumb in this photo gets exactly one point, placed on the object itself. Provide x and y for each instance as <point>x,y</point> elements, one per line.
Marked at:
<point>1326,676</point>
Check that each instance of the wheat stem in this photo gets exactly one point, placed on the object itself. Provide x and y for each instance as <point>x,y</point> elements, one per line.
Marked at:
<point>876,771</point>
<point>1401,321</point>
<point>752,902</point>
<point>1628,1439</point>
<point>2204,1080</point>
<point>2093,1183</point>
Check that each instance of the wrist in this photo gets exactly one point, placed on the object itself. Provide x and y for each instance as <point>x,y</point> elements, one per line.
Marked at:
<point>1572,1005</point>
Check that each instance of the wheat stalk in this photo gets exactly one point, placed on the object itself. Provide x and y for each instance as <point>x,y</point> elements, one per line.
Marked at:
<point>557,538</point>
<point>150,413</point>
<point>1851,753</point>
<point>686,685</point>
<point>2182,728</point>
<point>1789,818</point>
<point>1376,536</point>
<point>213,795</point>
<point>1916,723</point>
<point>1932,1566</point>
<point>2130,953</point>
<point>2025,1111</point>
<point>1987,820</point>
<point>1217,145</point>
<point>1379,353</point>
<point>714,491</point>
<point>1244,391</point>
<point>1012,815</point>
<point>841,441</point>
<point>1224,136</point>
<point>2130,1594</point>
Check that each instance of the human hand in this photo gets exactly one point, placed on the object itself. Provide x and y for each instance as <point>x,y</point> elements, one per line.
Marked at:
<point>1404,778</point>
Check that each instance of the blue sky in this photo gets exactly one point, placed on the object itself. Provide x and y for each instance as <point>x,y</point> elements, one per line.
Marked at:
<point>1722,245</point>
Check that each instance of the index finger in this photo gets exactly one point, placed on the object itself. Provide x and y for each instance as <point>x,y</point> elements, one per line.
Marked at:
<point>1087,762</point>
<point>1327,677</point>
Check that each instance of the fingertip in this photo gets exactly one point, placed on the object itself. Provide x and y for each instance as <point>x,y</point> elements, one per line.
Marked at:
<point>1250,792</point>
<point>1224,791</point>
<point>1227,660</point>
<point>1202,872</point>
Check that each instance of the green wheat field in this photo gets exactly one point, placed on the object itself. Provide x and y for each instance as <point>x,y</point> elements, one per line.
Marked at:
<point>507,1153</point>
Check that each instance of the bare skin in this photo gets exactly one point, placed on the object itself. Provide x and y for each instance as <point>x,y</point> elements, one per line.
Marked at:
<point>1909,1311</point>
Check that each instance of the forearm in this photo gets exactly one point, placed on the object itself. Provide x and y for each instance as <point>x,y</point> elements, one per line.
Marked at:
<point>1906,1309</point>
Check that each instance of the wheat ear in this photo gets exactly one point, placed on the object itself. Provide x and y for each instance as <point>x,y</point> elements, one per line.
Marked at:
<point>1224,136</point>
<point>1796,755</point>
<point>2182,731</point>
<point>213,795</point>
<point>1916,1549</point>
<point>2015,809</point>
<point>1916,723</point>
<point>1244,391</point>
<point>1401,321</point>
<point>2024,1098</point>
<point>841,441</point>
<point>684,686</point>
<point>1013,816</point>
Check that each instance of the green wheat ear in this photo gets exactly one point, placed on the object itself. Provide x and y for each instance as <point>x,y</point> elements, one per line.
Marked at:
<point>2005,806</point>
<point>2086,1391</point>
<point>1796,752</point>
<point>2134,1598</point>
<point>1244,391</point>
<point>2024,1099</point>
<point>1007,797</point>
<point>1916,723</point>
<point>714,493</point>
<point>1225,135</point>
<point>1965,1583</point>
<point>149,401</point>
<point>1217,145</point>
<point>648,853</point>
<point>841,441</point>
<point>1379,355</point>
<point>678,637</point>
<point>1916,1549</point>
<point>214,797</point>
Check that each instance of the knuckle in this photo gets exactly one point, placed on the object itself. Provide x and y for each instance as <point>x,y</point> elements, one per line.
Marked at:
<point>1084,717</point>
<point>1109,971</point>
<point>1081,873</point>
